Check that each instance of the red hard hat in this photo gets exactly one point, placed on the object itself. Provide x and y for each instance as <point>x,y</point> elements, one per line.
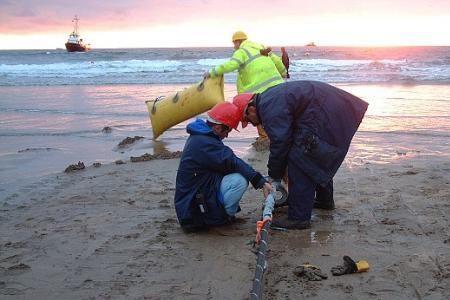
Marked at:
<point>226,113</point>
<point>242,101</point>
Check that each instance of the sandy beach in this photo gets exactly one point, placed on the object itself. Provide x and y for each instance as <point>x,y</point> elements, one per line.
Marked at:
<point>110,232</point>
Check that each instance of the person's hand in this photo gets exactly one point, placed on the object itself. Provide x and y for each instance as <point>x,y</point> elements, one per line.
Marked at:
<point>267,188</point>
<point>206,75</point>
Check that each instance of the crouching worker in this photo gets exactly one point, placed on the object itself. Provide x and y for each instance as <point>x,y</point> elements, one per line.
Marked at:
<point>211,179</point>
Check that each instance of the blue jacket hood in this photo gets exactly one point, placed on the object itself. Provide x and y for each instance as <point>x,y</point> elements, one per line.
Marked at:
<point>199,126</point>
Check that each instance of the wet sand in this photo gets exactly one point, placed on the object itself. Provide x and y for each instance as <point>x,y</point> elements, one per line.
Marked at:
<point>110,232</point>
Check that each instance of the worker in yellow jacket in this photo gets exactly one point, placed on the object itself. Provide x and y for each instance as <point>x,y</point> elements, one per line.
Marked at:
<point>258,67</point>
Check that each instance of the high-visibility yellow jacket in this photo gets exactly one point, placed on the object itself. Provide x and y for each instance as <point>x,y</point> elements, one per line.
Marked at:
<point>256,72</point>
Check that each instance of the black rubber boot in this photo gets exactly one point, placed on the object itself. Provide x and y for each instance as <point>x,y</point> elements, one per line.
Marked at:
<point>324,205</point>
<point>324,197</point>
<point>284,222</point>
<point>193,229</point>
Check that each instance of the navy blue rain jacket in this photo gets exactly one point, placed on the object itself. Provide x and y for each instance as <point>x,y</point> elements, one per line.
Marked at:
<point>311,123</point>
<point>204,162</point>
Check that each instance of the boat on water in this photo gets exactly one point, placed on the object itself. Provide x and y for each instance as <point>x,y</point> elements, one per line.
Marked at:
<point>310,45</point>
<point>75,43</point>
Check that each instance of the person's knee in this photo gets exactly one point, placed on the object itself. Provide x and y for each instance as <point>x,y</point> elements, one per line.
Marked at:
<point>240,182</point>
<point>235,182</point>
<point>233,188</point>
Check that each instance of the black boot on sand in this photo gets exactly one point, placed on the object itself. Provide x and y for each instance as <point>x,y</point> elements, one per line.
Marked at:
<point>284,222</point>
<point>324,205</point>
<point>324,197</point>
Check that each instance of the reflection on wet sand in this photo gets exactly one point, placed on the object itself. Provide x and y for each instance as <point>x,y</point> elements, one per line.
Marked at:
<point>159,147</point>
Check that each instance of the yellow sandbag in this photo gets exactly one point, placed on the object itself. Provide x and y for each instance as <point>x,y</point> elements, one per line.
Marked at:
<point>166,112</point>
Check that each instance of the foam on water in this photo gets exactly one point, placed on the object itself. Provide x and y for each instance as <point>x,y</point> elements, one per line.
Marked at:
<point>134,66</point>
<point>62,112</point>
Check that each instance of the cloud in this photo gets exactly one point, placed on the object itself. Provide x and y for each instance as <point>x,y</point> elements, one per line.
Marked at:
<point>31,16</point>
<point>49,15</point>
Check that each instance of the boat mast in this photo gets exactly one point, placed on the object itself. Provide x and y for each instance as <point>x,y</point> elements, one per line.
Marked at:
<point>75,27</point>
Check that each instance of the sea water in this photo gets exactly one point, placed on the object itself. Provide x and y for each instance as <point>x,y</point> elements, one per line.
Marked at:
<point>54,104</point>
<point>413,65</point>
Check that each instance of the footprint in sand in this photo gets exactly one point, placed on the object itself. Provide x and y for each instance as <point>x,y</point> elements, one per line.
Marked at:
<point>12,288</point>
<point>18,269</point>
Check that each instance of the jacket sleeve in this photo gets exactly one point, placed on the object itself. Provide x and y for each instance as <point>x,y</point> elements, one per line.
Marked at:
<point>221,159</point>
<point>278,125</point>
<point>233,64</point>
<point>279,64</point>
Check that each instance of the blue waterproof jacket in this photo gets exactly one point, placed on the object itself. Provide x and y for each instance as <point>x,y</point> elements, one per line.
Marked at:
<point>204,162</point>
<point>311,123</point>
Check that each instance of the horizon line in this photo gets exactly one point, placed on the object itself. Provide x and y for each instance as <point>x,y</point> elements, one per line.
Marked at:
<point>187,47</point>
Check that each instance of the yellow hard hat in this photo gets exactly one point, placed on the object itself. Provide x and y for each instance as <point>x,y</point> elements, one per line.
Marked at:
<point>239,35</point>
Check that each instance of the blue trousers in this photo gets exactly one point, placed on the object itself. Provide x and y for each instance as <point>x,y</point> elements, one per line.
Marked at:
<point>302,193</point>
<point>232,188</point>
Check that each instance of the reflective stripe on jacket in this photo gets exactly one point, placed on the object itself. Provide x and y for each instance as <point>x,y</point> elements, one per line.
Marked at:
<point>257,72</point>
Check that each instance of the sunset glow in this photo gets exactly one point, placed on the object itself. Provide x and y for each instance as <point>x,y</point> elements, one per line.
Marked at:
<point>191,23</point>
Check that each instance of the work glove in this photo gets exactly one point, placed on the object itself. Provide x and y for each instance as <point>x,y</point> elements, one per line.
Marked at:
<point>310,272</point>
<point>350,266</point>
<point>265,51</point>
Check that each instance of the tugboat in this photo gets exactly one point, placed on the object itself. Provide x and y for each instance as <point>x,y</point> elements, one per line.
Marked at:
<point>75,43</point>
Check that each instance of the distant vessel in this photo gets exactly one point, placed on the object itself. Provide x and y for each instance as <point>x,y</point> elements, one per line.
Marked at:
<point>311,45</point>
<point>75,43</point>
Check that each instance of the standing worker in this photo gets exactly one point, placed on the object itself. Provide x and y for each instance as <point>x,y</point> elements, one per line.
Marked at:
<point>211,179</point>
<point>258,67</point>
<point>310,125</point>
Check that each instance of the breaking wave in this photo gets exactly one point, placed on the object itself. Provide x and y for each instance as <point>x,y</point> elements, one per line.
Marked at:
<point>188,65</point>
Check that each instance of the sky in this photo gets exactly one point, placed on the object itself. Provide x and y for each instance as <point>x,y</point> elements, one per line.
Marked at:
<point>46,24</point>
